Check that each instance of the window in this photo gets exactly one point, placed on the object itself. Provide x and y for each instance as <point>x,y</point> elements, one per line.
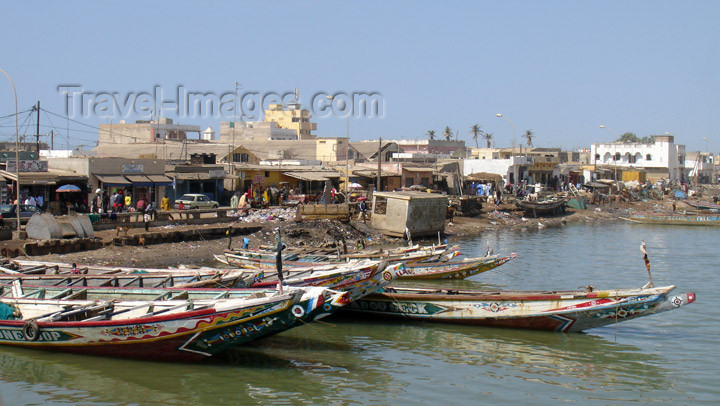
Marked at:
<point>267,174</point>
<point>380,205</point>
<point>597,157</point>
<point>425,181</point>
<point>617,156</point>
<point>241,157</point>
<point>648,157</point>
<point>408,182</point>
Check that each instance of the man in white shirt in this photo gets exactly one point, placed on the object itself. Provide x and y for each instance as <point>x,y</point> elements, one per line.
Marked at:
<point>30,201</point>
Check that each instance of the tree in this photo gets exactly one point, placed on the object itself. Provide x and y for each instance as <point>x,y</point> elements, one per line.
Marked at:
<point>488,137</point>
<point>649,140</point>
<point>529,135</point>
<point>447,133</point>
<point>629,137</point>
<point>431,134</point>
<point>476,131</point>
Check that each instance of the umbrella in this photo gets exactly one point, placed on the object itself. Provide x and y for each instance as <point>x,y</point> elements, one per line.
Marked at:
<point>354,185</point>
<point>68,188</point>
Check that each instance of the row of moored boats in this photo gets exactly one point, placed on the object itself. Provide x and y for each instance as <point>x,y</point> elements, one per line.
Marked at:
<point>189,314</point>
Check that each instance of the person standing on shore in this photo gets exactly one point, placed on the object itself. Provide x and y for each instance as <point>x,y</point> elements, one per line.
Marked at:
<point>128,202</point>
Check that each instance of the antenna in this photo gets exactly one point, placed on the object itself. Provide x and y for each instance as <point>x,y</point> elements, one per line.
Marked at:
<point>297,95</point>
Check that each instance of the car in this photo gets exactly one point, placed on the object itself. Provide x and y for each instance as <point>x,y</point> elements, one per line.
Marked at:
<point>196,201</point>
<point>8,211</point>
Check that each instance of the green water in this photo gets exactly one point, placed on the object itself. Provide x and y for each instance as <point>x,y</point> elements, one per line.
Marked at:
<point>670,358</point>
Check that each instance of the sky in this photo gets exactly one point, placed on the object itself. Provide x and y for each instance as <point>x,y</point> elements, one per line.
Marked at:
<point>557,68</point>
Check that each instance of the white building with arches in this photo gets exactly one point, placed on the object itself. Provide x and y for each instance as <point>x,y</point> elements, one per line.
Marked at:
<point>661,159</point>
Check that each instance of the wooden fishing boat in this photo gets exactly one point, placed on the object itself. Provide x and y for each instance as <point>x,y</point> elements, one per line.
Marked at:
<point>455,269</point>
<point>60,274</point>
<point>358,279</point>
<point>29,267</point>
<point>159,324</point>
<point>702,206</point>
<point>266,259</point>
<point>566,311</point>
<point>185,280</point>
<point>675,219</point>
<point>550,206</point>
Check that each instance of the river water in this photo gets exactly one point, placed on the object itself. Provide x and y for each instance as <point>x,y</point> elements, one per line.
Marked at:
<point>670,358</point>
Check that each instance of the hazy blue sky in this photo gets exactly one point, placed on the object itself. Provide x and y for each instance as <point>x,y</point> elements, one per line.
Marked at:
<point>560,68</point>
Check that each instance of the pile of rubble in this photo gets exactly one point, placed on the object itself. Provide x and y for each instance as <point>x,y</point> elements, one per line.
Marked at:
<point>273,214</point>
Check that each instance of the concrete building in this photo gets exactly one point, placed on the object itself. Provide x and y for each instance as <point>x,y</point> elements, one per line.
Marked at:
<point>292,117</point>
<point>511,169</point>
<point>238,131</point>
<point>661,159</point>
<point>367,151</point>
<point>146,131</point>
<point>421,214</point>
<point>700,166</point>
<point>435,149</point>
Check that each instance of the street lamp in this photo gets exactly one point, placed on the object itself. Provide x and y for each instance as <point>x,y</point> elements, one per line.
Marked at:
<point>17,154</point>
<point>347,152</point>
<point>515,172</point>
<point>232,151</point>
<point>614,155</point>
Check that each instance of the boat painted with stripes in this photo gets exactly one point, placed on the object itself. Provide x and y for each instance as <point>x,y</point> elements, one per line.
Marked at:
<point>157,324</point>
<point>563,311</point>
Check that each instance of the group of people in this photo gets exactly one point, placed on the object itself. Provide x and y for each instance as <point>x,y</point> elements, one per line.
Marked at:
<point>38,201</point>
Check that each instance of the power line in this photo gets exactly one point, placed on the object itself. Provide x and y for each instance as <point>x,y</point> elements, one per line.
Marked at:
<point>91,126</point>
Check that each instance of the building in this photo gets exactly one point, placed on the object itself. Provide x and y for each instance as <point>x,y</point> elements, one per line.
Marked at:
<point>512,168</point>
<point>292,117</point>
<point>417,213</point>
<point>367,151</point>
<point>146,131</point>
<point>430,149</point>
<point>236,132</point>
<point>662,159</point>
<point>700,167</point>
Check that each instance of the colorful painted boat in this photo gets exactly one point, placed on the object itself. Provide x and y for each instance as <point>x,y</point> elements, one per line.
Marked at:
<point>158,324</point>
<point>39,273</point>
<point>266,259</point>
<point>675,219</point>
<point>566,311</point>
<point>454,269</point>
<point>359,279</point>
<point>185,280</point>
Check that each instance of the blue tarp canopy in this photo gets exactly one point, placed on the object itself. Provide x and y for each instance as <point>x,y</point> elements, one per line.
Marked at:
<point>679,194</point>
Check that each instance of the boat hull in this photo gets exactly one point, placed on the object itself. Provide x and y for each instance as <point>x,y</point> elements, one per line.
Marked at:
<point>563,312</point>
<point>453,270</point>
<point>184,336</point>
<point>675,219</point>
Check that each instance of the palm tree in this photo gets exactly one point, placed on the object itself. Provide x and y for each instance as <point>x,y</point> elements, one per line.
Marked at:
<point>447,133</point>
<point>431,134</point>
<point>476,131</point>
<point>529,136</point>
<point>488,137</point>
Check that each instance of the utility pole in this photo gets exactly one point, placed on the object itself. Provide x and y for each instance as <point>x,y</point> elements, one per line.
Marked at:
<point>37,129</point>
<point>379,164</point>
<point>52,139</point>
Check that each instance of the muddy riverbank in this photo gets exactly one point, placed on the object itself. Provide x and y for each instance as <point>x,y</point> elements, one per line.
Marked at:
<point>325,233</point>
